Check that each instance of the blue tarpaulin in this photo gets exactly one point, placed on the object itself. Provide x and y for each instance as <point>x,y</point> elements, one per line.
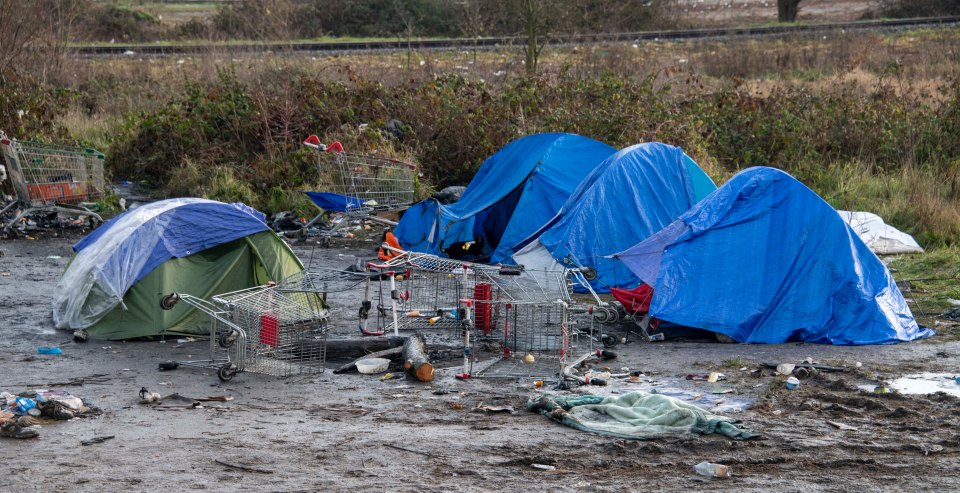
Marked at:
<point>514,193</point>
<point>628,197</point>
<point>765,260</point>
<point>334,201</point>
<point>137,241</point>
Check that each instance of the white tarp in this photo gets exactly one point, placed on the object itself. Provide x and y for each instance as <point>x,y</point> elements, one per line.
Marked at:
<point>882,238</point>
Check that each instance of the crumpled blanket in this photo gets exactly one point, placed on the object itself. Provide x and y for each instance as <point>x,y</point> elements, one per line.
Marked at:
<point>635,416</point>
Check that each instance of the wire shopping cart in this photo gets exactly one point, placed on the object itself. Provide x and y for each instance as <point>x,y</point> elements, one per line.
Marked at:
<point>530,314</point>
<point>263,329</point>
<point>51,177</point>
<point>357,186</point>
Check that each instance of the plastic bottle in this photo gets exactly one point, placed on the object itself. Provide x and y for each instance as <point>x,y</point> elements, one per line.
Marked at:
<point>712,470</point>
<point>49,350</point>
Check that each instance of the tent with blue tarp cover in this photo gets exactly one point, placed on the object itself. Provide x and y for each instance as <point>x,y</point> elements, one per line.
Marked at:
<point>514,193</point>
<point>628,197</point>
<point>114,282</point>
<point>765,260</point>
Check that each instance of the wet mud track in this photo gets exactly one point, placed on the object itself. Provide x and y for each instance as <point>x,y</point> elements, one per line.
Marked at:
<point>358,433</point>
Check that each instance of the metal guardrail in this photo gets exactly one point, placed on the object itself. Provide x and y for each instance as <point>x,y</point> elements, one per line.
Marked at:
<point>505,41</point>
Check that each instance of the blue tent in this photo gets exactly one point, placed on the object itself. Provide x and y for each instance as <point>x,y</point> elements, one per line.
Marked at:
<point>765,260</point>
<point>113,285</point>
<point>514,193</point>
<point>628,197</point>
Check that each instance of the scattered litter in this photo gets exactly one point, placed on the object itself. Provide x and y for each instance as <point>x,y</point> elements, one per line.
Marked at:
<point>372,366</point>
<point>97,439</point>
<point>712,470</point>
<point>147,397</point>
<point>792,383</point>
<point>387,376</point>
<point>841,426</point>
<point>543,467</point>
<point>786,368</point>
<point>722,391</point>
<point>495,409</point>
<point>53,257</point>
<point>715,377</point>
<point>185,340</point>
<point>80,335</point>
<point>5,274</point>
<point>49,350</point>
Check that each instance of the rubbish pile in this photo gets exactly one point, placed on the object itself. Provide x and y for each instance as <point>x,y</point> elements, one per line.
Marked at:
<point>24,413</point>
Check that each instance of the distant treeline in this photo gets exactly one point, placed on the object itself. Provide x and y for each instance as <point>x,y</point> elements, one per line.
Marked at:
<point>298,19</point>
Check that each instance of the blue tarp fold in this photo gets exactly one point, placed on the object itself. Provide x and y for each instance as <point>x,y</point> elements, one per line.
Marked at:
<point>765,260</point>
<point>628,197</point>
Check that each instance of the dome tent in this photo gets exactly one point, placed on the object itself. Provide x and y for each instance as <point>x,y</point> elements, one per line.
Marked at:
<point>114,282</point>
<point>631,195</point>
<point>514,193</point>
<point>764,259</point>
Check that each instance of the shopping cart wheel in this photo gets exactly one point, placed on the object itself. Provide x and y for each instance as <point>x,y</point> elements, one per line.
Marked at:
<point>169,365</point>
<point>227,339</point>
<point>169,301</point>
<point>609,340</point>
<point>324,242</point>
<point>226,373</point>
<point>589,273</point>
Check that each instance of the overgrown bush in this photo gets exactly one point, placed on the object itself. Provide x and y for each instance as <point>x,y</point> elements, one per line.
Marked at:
<point>238,141</point>
<point>916,8</point>
<point>106,22</point>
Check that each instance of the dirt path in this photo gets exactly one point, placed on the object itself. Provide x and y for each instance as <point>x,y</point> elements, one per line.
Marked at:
<point>357,433</point>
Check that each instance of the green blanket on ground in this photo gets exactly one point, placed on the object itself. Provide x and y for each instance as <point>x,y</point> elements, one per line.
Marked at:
<point>637,416</point>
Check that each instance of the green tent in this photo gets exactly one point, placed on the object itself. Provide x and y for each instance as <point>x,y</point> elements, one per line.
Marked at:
<point>250,261</point>
<point>114,284</point>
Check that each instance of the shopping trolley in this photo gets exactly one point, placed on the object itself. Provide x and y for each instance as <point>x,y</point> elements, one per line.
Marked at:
<point>263,329</point>
<point>530,314</point>
<point>357,187</point>
<point>51,177</point>
<point>336,289</point>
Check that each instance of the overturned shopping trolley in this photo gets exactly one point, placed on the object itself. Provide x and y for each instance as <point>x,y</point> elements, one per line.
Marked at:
<point>51,177</point>
<point>531,316</point>
<point>357,186</point>
<point>264,330</point>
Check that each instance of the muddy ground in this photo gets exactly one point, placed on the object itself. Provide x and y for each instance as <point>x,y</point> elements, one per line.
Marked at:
<point>358,433</point>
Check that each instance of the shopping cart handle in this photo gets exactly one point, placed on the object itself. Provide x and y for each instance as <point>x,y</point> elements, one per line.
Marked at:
<point>314,142</point>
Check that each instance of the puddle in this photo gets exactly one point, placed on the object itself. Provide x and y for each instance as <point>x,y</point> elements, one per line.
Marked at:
<point>920,384</point>
<point>701,396</point>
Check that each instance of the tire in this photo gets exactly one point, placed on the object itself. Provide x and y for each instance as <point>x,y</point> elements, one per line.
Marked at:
<point>169,301</point>
<point>226,373</point>
<point>227,339</point>
<point>609,341</point>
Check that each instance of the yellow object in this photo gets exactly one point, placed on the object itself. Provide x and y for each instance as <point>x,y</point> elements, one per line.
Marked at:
<point>528,359</point>
<point>433,320</point>
<point>538,384</point>
<point>387,376</point>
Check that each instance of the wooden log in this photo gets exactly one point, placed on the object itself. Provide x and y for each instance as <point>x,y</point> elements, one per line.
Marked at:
<point>415,358</point>
<point>356,348</point>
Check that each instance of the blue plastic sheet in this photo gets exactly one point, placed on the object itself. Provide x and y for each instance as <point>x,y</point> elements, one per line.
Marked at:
<point>765,260</point>
<point>514,193</point>
<point>628,197</point>
<point>334,201</point>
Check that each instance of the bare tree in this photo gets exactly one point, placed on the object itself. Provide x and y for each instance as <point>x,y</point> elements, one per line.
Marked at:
<point>34,35</point>
<point>473,22</point>
<point>534,17</point>
<point>787,10</point>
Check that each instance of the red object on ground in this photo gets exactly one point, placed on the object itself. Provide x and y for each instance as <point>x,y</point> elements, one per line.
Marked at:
<point>636,301</point>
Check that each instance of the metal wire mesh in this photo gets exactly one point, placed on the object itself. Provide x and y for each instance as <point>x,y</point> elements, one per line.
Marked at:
<point>46,174</point>
<point>285,330</point>
<point>380,184</point>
